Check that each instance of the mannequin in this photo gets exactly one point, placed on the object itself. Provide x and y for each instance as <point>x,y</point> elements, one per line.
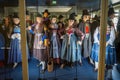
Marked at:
<point>110,49</point>
<point>39,49</point>
<point>14,55</point>
<point>71,45</point>
<point>85,27</point>
<point>6,31</point>
<point>2,54</point>
<point>29,35</point>
<point>46,20</point>
<point>61,27</point>
<point>55,46</point>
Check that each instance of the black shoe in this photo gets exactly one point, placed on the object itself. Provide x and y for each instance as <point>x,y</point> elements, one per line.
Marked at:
<point>71,65</point>
<point>95,70</point>
<point>42,71</point>
<point>80,63</point>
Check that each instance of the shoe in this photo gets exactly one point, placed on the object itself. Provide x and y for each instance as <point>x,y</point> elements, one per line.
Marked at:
<point>15,64</point>
<point>62,65</point>
<point>71,65</point>
<point>39,64</point>
<point>80,63</point>
<point>42,71</point>
<point>95,69</point>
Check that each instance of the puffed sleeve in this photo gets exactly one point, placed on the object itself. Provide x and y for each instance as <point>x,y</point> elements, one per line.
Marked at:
<point>32,28</point>
<point>79,34</point>
<point>31,31</point>
<point>112,36</point>
<point>95,35</point>
<point>61,31</point>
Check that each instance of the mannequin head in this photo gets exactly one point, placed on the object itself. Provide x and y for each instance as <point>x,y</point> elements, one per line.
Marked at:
<point>39,18</point>
<point>111,12</point>
<point>85,15</point>
<point>53,19</point>
<point>46,13</point>
<point>71,22</point>
<point>16,20</point>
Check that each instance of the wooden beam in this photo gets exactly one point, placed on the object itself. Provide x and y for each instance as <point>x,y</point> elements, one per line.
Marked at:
<point>22,12</point>
<point>103,26</point>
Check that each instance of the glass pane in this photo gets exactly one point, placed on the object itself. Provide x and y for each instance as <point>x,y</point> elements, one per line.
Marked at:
<point>10,42</point>
<point>65,58</point>
<point>60,44</point>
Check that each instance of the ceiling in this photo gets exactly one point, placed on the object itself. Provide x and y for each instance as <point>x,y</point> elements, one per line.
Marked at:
<point>81,4</point>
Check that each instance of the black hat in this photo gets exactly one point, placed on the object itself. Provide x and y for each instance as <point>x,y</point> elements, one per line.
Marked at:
<point>96,17</point>
<point>27,12</point>
<point>15,15</point>
<point>111,11</point>
<point>72,16</point>
<point>46,12</point>
<point>38,15</point>
<point>60,17</point>
<point>85,12</point>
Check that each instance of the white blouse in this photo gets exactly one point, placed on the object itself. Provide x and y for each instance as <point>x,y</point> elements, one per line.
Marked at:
<point>112,36</point>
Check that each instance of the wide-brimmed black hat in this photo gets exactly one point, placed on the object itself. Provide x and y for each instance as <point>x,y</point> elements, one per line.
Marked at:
<point>85,12</point>
<point>72,16</point>
<point>15,15</point>
<point>60,17</point>
<point>38,15</point>
<point>46,11</point>
<point>111,11</point>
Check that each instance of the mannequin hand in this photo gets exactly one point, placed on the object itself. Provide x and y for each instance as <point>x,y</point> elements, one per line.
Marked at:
<point>13,36</point>
<point>79,42</point>
<point>41,42</point>
<point>98,43</point>
<point>61,37</point>
<point>107,44</point>
<point>48,42</point>
<point>29,28</point>
<point>18,36</point>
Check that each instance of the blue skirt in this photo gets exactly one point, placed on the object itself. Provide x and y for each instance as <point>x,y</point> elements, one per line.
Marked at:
<point>14,54</point>
<point>55,47</point>
<point>70,52</point>
<point>2,44</point>
<point>110,54</point>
